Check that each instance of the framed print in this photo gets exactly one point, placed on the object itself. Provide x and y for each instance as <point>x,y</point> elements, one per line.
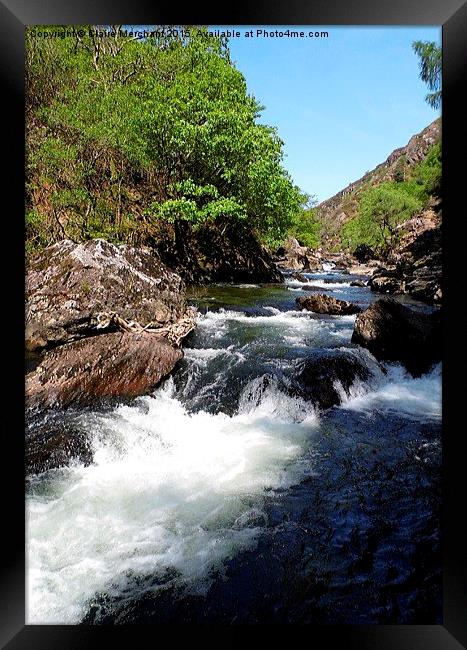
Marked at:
<point>240,414</point>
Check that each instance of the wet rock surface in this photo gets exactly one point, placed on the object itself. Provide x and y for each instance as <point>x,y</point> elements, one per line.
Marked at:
<point>320,303</point>
<point>326,378</point>
<point>53,442</point>
<point>394,332</point>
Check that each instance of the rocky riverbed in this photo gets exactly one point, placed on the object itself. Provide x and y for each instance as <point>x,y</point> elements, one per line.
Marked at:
<point>284,472</point>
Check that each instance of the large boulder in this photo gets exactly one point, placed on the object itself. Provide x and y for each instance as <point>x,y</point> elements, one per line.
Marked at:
<point>320,303</point>
<point>294,256</point>
<point>385,284</point>
<point>68,285</point>
<point>325,378</point>
<point>394,332</point>
<point>417,271</point>
<point>120,364</point>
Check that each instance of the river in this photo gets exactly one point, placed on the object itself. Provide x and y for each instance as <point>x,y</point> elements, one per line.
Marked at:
<point>223,497</point>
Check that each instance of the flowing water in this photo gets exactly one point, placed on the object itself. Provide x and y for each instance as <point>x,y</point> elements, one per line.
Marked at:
<point>224,497</point>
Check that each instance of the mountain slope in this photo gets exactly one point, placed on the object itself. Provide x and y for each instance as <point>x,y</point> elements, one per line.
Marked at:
<point>340,208</point>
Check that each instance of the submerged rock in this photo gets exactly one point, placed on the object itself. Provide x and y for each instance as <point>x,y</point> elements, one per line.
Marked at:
<point>111,365</point>
<point>320,303</point>
<point>326,378</point>
<point>393,332</point>
<point>298,276</point>
<point>68,285</point>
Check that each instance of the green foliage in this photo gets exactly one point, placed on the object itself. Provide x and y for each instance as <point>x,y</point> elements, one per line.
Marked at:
<point>306,228</point>
<point>428,172</point>
<point>168,120</point>
<point>381,209</point>
<point>196,204</point>
<point>430,61</point>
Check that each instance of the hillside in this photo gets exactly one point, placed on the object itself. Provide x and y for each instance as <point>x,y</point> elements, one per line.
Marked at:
<point>343,206</point>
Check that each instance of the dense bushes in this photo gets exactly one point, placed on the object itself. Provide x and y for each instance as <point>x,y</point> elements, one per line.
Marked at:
<point>123,135</point>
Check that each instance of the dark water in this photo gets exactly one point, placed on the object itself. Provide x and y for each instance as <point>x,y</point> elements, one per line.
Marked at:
<point>224,498</point>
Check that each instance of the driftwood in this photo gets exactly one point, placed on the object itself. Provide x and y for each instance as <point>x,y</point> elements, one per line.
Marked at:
<point>174,332</point>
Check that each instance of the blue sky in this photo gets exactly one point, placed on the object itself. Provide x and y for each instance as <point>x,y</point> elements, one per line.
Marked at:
<point>340,104</point>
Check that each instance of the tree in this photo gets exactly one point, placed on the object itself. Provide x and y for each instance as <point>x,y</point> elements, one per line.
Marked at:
<point>381,209</point>
<point>306,226</point>
<point>126,135</point>
<point>430,69</point>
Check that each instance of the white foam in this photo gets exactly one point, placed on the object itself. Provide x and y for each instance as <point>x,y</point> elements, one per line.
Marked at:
<point>166,489</point>
<point>321,284</point>
<point>399,392</point>
<point>288,325</point>
<point>202,355</point>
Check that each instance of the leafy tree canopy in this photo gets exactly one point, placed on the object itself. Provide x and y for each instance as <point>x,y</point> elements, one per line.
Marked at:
<point>168,121</point>
<point>430,60</point>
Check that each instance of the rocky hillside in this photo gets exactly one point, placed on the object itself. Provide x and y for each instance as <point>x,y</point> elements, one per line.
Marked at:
<point>341,207</point>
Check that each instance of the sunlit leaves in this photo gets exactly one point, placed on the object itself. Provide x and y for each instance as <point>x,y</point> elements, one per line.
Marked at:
<point>176,112</point>
<point>430,61</point>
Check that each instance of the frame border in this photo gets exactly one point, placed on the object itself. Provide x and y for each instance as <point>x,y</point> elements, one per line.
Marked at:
<point>452,16</point>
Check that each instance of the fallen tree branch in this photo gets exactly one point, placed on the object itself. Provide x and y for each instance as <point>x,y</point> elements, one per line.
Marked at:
<point>174,332</point>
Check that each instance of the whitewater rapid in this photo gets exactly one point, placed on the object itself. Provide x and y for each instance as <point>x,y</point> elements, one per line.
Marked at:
<point>166,489</point>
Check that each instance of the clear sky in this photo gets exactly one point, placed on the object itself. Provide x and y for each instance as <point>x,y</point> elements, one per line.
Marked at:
<point>341,104</point>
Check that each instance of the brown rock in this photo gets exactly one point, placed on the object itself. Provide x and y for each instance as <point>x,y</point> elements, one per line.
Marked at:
<point>68,285</point>
<point>393,332</point>
<point>110,365</point>
<point>361,269</point>
<point>322,304</point>
<point>385,284</point>
<point>294,256</point>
